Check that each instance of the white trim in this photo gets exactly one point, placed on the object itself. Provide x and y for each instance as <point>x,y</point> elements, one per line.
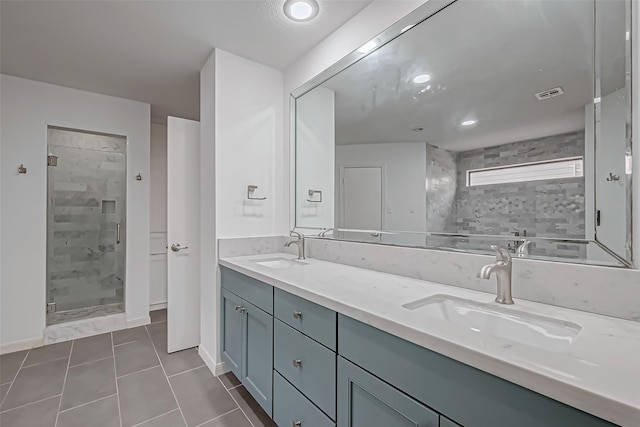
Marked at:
<point>216,369</point>
<point>157,306</point>
<point>21,345</point>
<point>138,321</point>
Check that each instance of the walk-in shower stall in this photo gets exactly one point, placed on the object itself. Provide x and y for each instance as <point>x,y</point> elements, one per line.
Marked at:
<point>86,222</point>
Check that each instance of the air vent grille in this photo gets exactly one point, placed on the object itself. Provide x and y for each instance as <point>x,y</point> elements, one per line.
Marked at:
<point>550,93</point>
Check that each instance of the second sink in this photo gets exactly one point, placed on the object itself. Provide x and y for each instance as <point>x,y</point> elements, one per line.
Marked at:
<point>530,329</point>
<point>279,263</point>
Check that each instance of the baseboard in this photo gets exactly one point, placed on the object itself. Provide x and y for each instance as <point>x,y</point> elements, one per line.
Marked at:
<point>216,369</point>
<point>21,345</point>
<point>157,306</point>
<point>138,321</point>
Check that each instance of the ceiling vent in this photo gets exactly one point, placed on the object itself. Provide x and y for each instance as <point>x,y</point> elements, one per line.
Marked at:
<point>549,93</point>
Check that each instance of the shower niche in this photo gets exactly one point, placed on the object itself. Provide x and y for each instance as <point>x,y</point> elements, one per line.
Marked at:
<point>86,223</point>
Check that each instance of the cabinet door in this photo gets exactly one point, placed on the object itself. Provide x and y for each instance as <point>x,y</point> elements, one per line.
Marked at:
<point>446,422</point>
<point>232,332</point>
<point>365,401</point>
<point>257,361</point>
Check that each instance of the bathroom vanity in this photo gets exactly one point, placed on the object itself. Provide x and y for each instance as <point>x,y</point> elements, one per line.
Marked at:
<point>323,344</point>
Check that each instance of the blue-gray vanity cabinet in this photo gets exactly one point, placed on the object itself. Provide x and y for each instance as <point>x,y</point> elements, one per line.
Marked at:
<point>471,397</point>
<point>232,332</point>
<point>311,319</point>
<point>365,401</point>
<point>257,360</point>
<point>446,422</point>
<point>306,364</point>
<point>247,333</point>
<point>291,408</point>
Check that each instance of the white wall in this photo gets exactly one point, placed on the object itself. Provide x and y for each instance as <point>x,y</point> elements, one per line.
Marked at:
<point>158,238</point>
<point>241,144</point>
<point>405,168</point>
<point>368,23</point>
<point>209,287</point>
<point>26,108</point>
<point>315,158</point>
<point>248,137</point>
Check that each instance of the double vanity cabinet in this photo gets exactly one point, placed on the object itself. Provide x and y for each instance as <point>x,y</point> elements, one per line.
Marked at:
<point>309,366</point>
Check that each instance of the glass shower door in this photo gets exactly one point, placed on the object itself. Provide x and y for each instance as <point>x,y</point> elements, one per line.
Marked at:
<point>86,212</point>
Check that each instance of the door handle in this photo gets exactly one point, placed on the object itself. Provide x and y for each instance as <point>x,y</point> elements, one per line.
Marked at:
<point>297,363</point>
<point>175,247</point>
<point>297,314</point>
<point>118,233</point>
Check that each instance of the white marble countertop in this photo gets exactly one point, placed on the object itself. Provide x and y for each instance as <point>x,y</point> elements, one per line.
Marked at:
<point>599,373</point>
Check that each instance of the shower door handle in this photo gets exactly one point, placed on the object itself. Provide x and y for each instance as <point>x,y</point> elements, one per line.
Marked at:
<point>118,233</point>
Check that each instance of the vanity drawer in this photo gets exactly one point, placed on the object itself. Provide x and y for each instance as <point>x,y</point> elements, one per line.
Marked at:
<point>249,289</point>
<point>291,408</point>
<point>313,320</point>
<point>309,366</point>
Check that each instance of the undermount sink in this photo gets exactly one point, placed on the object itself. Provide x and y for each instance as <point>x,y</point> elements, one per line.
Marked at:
<point>279,263</point>
<point>543,332</point>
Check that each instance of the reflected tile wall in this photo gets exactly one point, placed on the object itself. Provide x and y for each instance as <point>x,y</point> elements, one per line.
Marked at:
<point>87,195</point>
<point>440,186</point>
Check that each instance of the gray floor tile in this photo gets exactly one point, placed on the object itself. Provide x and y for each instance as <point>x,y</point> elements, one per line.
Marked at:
<point>200,396</point>
<point>4,388</point>
<point>135,356</point>
<point>36,383</point>
<point>158,333</point>
<point>232,419</point>
<point>158,315</point>
<point>40,414</point>
<point>48,353</point>
<point>9,365</point>
<point>172,419</point>
<point>88,382</point>
<point>144,395</point>
<point>129,335</point>
<point>229,380</point>
<point>179,361</point>
<point>254,411</point>
<point>102,413</point>
<point>91,348</point>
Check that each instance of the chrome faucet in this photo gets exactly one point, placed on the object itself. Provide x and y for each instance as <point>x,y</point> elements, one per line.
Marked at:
<point>502,269</point>
<point>299,242</point>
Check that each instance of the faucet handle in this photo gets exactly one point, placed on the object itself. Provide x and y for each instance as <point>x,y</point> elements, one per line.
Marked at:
<point>501,254</point>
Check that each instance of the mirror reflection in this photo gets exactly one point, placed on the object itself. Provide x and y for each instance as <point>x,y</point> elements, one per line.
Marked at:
<point>465,132</point>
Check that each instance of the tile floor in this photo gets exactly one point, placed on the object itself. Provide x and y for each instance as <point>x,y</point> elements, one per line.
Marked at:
<point>121,379</point>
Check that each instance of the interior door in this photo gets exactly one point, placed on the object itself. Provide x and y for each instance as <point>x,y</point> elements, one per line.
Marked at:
<point>361,201</point>
<point>183,219</point>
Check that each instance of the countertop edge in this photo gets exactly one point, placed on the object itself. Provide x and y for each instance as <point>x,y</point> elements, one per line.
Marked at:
<point>608,409</point>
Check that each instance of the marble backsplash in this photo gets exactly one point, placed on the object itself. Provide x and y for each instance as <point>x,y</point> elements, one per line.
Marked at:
<point>602,290</point>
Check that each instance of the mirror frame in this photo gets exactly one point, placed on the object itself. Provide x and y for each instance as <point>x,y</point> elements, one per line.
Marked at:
<point>414,18</point>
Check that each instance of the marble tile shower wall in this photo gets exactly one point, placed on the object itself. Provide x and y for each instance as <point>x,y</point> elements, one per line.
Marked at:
<point>552,208</point>
<point>86,191</point>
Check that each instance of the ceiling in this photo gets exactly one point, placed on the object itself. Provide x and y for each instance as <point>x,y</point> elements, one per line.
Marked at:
<point>482,69</point>
<point>152,51</point>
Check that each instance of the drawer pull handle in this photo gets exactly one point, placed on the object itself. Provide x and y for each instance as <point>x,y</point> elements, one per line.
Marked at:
<point>297,363</point>
<point>297,314</point>
<point>297,424</point>
<point>240,308</point>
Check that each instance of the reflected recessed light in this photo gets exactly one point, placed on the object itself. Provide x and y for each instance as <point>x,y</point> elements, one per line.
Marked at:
<point>469,122</point>
<point>421,78</point>
<point>368,46</point>
<point>408,27</point>
<point>301,10</point>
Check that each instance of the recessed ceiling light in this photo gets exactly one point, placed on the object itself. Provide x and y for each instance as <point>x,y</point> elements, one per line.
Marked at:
<point>421,78</point>
<point>368,46</point>
<point>301,10</point>
<point>408,27</point>
<point>469,122</point>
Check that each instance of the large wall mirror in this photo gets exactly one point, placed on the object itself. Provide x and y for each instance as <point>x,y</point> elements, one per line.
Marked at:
<point>471,123</point>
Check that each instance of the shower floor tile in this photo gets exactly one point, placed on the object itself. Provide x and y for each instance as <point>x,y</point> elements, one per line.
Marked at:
<point>177,389</point>
<point>84,313</point>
